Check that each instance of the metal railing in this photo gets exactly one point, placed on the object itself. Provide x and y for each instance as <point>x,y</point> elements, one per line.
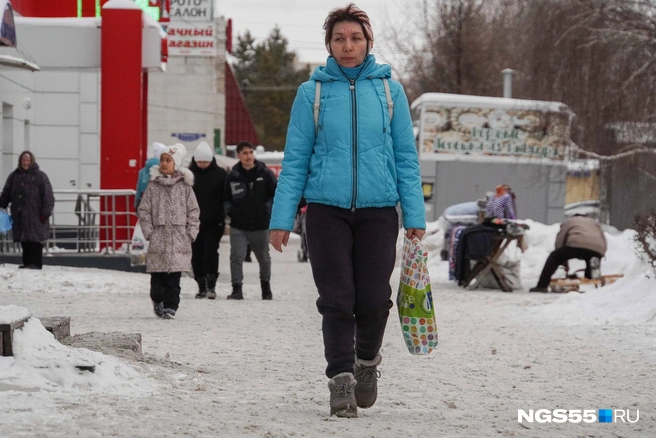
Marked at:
<point>87,221</point>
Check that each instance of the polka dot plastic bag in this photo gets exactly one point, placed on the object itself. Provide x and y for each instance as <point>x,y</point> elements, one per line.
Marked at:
<point>415,301</point>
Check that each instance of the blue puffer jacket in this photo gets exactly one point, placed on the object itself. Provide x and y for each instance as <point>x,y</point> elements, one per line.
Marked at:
<point>144,178</point>
<point>355,159</point>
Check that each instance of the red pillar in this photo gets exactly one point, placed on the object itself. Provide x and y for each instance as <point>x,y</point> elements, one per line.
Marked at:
<point>121,113</point>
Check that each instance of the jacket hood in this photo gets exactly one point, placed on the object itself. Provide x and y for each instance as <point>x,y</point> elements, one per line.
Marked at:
<point>332,72</point>
<point>193,166</point>
<point>183,174</point>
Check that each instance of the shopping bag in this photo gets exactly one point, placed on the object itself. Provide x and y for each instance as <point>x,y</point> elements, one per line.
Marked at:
<point>139,242</point>
<point>415,301</point>
<point>5,222</point>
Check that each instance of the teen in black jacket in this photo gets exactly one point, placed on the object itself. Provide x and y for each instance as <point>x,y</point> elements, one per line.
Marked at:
<point>249,192</point>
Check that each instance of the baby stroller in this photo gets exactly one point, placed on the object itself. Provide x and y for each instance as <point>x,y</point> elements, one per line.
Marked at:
<point>299,228</point>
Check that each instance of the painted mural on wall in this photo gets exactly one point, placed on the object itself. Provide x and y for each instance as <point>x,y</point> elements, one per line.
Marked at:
<point>496,131</point>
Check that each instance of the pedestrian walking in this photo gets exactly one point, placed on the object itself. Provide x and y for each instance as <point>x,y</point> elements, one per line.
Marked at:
<point>143,177</point>
<point>169,217</point>
<point>209,185</point>
<point>249,192</point>
<point>29,193</point>
<point>350,151</point>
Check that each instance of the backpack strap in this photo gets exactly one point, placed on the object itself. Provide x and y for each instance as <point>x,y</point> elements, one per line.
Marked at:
<point>390,102</point>
<point>317,104</point>
<point>317,101</point>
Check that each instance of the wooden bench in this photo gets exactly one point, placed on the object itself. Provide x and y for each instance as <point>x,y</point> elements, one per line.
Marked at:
<point>7,336</point>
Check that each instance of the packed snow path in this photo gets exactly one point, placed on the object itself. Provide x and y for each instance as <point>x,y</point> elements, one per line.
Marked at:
<point>256,368</point>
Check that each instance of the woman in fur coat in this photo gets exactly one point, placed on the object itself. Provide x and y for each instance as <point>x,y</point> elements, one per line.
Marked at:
<point>169,217</point>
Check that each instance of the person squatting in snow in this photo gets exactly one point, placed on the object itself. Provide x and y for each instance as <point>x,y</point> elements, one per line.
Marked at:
<point>580,237</point>
<point>353,166</point>
<point>209,182</point>
<point>169,217</point>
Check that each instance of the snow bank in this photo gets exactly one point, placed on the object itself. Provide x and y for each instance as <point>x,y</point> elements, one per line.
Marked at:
<point>42,363</point>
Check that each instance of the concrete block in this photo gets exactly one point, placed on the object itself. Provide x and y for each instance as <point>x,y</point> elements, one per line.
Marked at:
<point>59,326</point>
<point>7,336</point>
<point>114,343</point>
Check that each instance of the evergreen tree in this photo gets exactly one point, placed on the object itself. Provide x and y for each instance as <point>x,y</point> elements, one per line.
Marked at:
<point>268,79</point>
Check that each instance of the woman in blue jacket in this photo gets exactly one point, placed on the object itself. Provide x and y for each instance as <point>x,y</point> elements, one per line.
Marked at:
<point>351,154</point>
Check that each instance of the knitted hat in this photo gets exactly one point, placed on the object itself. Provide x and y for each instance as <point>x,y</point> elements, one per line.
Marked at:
<point>177,152</point>
<point>203,152</point>
<point>157,149</point>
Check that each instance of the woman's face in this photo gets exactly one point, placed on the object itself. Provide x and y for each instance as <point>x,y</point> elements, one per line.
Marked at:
<point>348,44</point>
<point>166,164</point>
<point>25,161</point>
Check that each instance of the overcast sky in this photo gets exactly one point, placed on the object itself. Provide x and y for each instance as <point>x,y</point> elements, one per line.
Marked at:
<point>301,22</point>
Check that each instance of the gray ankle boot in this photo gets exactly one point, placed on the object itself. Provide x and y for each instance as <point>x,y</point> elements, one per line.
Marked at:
<point>211,286</point>
<point>342,397</point>
<point>202,287</point>
<point>366,374</point>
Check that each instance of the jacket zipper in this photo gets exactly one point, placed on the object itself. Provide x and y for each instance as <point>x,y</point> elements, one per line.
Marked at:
<point>354,133</point>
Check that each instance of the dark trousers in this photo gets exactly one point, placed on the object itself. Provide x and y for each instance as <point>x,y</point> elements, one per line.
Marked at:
<point>560,256</point>
<point>165,288</point>
<point>205,251</point>
<point>32,254</point>
<point>352,256</point>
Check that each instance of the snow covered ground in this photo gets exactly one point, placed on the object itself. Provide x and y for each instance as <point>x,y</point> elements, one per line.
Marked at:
<point>255,368</point>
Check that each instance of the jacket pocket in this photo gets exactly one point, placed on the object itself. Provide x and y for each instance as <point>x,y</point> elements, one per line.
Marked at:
<point>376,183</point>
<point>315,178</point>
<point>157,242</point>
<point>181,240</point>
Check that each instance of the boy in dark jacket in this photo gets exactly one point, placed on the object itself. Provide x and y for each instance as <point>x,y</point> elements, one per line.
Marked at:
<point>209,182</point>
<point>249,192</point>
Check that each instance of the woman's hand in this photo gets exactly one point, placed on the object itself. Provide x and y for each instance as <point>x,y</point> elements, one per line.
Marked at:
<point>278,239</point>
<point>415,232</point>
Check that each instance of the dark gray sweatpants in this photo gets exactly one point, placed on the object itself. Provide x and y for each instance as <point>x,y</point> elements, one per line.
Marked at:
<point>259,241</point>
<point>352,256</point>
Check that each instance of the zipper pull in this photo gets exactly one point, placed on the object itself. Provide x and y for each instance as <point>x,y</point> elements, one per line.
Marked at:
<point>352,87</point>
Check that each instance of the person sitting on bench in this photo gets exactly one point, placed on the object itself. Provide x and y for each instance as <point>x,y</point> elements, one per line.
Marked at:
<point>580,237</point>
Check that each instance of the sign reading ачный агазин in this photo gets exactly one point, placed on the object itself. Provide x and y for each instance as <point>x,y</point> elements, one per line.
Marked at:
<point>191,31</point>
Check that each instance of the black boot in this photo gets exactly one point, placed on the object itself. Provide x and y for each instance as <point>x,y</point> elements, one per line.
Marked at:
<point>202,287</point>
<point>266,290</point>
<point>211,286</point>
<point>236,293</point>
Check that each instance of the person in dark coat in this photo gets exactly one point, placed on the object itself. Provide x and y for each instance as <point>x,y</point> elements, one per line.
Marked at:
<point>29,192</point>
<point>209,182</point>
<point>249,192</point>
